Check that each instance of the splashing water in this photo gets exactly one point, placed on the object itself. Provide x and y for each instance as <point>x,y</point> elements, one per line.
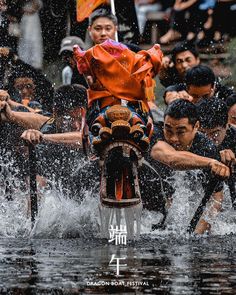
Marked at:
<point>63,217</point>
<point>129,217</point>
<point>185,202</point>
<point>13,201</point>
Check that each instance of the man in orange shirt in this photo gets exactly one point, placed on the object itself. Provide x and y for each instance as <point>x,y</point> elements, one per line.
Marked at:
<point>118,76</point>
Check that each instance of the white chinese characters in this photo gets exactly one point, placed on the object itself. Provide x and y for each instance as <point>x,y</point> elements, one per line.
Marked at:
<point>119,235</point>
<point>118,265</point>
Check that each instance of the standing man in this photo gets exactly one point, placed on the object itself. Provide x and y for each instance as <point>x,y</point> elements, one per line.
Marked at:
<point>103,25</point>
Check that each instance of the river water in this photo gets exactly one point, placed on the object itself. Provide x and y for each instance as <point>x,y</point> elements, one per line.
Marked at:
<point>64,253</point>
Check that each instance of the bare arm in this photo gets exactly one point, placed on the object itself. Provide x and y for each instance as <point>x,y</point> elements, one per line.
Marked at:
<point>72,139</point>
<point>180,5</point>
<point>14,104</point>
<point>179,160</point>
<point>69,138</point>
<point>28,120</point>
<point>173,95</point>
<point>184,160</point>
<point>4,96</point>
<point>23,119</point>
<point>213,208</point>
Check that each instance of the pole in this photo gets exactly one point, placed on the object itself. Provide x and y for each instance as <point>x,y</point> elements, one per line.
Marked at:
<point>33,183</point>
<point>113,10</point>
<point>231,184</point>
<point>198,213</point>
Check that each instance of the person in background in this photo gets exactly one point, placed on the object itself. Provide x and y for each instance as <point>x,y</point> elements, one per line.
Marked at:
<point>179,23</point>
<point>17,73</point>
<point>224,20</point>
<point>199,82</point>
<point>204,36</point>
<point>142,8</point>
<point>30,48</point>
<point>188,19</point>
<point>184,56</point>
<point>24,88</point>
<point>70,74</point>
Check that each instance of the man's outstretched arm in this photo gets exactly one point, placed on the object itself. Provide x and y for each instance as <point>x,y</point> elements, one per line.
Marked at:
<point>72,139</point>
<point>26,120</point>
<point>184,160</point>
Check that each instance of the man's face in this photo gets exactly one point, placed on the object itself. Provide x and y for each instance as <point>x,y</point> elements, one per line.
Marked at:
<point>25,86</point>
<point>232,115</point>
<point>184,61</point>
<point>200,92</point>
<point>102,29</point>
<point>179,133</point>
<point>70,121</point>
<point>216,134</point>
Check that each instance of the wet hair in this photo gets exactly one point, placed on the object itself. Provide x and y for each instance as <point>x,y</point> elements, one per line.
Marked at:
<point>212,113</point>
<point>200,76</point>
<point>181,47</point>
<point>101,12</point>
<point>43,87</point>
<point>21,73</point>
<point>69,97</point>
<point>181,108</point>
<point>231,100</point>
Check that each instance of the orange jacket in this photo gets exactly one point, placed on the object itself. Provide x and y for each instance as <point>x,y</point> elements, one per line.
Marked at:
<point>117,72</point>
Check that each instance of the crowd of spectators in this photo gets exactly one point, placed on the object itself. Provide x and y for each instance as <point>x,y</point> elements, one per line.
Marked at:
<point>201,21</point>
<point>34,28</point>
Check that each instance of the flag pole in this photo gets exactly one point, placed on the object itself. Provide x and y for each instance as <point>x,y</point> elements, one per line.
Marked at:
<point>113,11</point>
